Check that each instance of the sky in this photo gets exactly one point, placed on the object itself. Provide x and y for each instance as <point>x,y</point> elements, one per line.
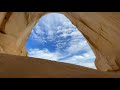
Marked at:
<point>54,37</point>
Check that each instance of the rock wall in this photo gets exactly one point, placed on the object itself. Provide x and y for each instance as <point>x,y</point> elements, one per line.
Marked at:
<point>101,30</point>
<point>15,28</point>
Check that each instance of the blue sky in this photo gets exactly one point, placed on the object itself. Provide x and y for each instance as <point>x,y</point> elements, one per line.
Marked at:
<point>54,37</point>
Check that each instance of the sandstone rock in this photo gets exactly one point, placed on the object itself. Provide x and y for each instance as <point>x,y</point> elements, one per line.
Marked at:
<point>12,66</point>
<point>101,30</point>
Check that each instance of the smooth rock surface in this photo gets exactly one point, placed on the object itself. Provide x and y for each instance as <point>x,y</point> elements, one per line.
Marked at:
<point>101,29</point>
<point>12,66</point>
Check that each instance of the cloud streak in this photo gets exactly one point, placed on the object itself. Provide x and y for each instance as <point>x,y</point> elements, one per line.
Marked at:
<point>58,34</point>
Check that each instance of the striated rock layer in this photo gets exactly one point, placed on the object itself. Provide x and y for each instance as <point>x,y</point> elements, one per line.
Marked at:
<point>101,30</point>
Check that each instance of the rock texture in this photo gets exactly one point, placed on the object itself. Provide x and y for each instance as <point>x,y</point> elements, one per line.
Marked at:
<point>101,30</point>
<point>12,66</point>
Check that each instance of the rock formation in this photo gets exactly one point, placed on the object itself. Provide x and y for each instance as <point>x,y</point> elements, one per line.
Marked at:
<point>101,30</point>
<point>12,66</point>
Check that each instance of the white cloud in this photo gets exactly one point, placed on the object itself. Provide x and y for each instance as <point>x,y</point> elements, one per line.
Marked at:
<point>75,47</point>
<point>81,60</point>
<point>45,54</point>
<point>56,28</point>
<point>55,56</point>
<point>51,25</point>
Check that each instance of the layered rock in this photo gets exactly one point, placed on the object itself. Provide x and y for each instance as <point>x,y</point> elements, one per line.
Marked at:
<point>101,30</point>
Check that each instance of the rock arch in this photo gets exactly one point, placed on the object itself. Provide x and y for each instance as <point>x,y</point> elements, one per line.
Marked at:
<point>101,29</point>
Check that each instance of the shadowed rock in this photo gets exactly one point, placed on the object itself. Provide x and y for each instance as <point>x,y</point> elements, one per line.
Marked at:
<point>101,30</point>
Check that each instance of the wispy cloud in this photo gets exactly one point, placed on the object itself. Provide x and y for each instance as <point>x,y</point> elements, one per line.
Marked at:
<point>83,60</point>
<point>70,45</point>
<point>45,54</point>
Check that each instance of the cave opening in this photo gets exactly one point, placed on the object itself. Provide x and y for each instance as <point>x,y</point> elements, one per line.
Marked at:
<point>54,37</point>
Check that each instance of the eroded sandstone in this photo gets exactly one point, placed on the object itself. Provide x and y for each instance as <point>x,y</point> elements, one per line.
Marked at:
<point>12,66</point>
<point>101,30</point>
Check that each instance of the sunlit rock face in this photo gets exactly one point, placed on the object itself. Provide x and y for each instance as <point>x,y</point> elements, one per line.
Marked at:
<point>100,29</point>
<point>14,31</point>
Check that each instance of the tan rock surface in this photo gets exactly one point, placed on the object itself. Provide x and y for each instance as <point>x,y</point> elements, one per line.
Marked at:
<point>25,67</point>
<point>101,29</point>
